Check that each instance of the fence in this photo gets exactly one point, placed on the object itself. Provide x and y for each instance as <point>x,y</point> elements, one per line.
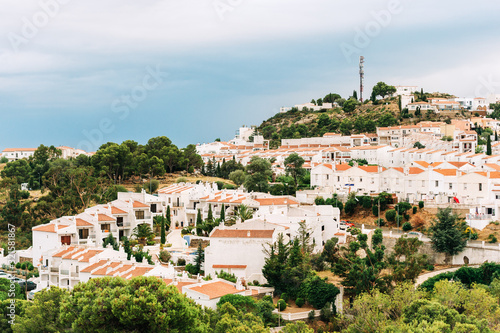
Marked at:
<point>297,315</point>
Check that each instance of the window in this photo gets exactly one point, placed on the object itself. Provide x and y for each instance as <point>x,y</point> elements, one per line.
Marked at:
<point>465,186</point>
<point>153,208</point>
<point>327,177</point>
<point>409,182</point>
<point>66,240</point>
<point>360,179</point>
<point>322,228</point>
<point>480,186</point>
<point>139,214</point>
<point>119,221</point>
<point>105,227</point>
<point>451,186</point>
<point>423,183</point>
<point>437,183</point>
<point>397,181</point>
<point>338,179</point>
<point>83,233</point>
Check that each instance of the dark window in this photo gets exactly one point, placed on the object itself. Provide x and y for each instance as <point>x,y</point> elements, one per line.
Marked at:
<point>105,227</point>
<point>83,233</point>
<point>322,228</point>
<point>139,214</point>
<point>119,221</point>
<point>153,208</point>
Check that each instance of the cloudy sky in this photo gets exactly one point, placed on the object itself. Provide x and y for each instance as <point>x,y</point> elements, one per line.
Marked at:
<point>82,73</point>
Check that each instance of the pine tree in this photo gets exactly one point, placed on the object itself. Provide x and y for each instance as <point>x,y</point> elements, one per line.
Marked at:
<point>355,94</point>
<point>200,258</point>
<point>488,145</point>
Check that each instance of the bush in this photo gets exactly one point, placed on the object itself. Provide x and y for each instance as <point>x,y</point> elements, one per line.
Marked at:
<point>165,256</point>
<point>318,292</point>
<point>366,202</point>
<point>326,312</point>
<point>281,305</point>
<point>407,226</point>
<point>311,315</point>
<point>23,265</point>
<point>299,302</point>
<point>181,180</point>
<point>226,276</point>
<point>414,209</point>
<point>430,267</point>
<point>407,217</point>
<point>390,215</point>
<point>380,222</point>
<point>420,204</point>
<point>375,210</point>
<point>285,297</point>
<point>220,185</point>
<point>350,206</point>
<point>150,242</point>
<point>267,298</point>
<point>399,219</point>
<point>18,265</point>
<point>257,283</point>
<point>492,239</point>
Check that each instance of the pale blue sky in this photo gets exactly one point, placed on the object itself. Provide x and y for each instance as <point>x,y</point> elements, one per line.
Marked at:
<point>222,63</point>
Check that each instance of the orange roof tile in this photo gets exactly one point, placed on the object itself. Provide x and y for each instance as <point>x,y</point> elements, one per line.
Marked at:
<point>179,285</point>
<point>370,168</point>
<point>103,270</point>
<point>236,233</point>
<point>83,223</point>
<point>46,228</point>
<point>229,266</point>
<point>75,253</point>
<point>95,265</point>
<point>138,271</point>
<point>115,210</point>
<point>138,204</point>
<point>105,218</point>
<point>216,289</point>
<point>123,268</point>
<point>276,201</point>
<point>89,254</point>
<point>63,252</point>
<point>447,172</point>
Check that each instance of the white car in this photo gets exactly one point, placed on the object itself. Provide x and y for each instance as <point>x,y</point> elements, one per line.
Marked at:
<point>31,294</point>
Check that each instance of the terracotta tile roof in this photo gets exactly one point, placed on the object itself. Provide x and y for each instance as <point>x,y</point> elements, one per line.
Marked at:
<point>95,265</point>
<point>370,168</point>
<point>174,189</point>
<point>105,218</point>
<point>236,233</point>
<point>138,271</point>
<point>182,284</point>
<point>415,171</point>
<point>116,210</point>
<point>168,281</point>
<point>83,223</point>
<point>342,167</point>
<point>138,204</point>
<point>46,228</point>
<point>216,289</point>
<point>422,163</point>
<point>229,266</point>
<point>19,149</point>
<point>89,254</point>
<point>276,201</point>
<point>493,166</point>
<point>123,268</point>
<point>447,172</point>
<point>75,253</point>
<point>63,252</point>
<point>103,270</point>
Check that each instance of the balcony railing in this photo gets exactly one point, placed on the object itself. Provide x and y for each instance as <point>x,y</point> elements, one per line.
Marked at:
<point>54,269</point>
<point>123,224</point>
<point>178,204</point>
<point>64,271</point>
<point>75,274</point>
<point>479,217</point>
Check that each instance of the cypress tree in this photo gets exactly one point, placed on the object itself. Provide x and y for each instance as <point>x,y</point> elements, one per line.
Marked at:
<point>496,136</point>
<point>222,213</point>
<point>199,221</point>
<point>210,216</point>
<point>162,232</point>
<point>488,145</point>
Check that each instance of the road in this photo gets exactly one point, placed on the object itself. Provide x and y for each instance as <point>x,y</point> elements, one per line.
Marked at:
<point>422,278</point>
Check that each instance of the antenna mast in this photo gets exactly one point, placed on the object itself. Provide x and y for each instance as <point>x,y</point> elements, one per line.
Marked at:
<point>361,77</point>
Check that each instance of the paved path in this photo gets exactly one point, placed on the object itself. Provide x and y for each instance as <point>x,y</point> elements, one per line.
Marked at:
<point>422,278</point>
<point>175,238</point>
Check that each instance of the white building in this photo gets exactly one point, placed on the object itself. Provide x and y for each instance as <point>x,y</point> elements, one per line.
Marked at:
<point>14,154</point>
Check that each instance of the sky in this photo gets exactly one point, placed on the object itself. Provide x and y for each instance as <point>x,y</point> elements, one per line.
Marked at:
<point>83,73</point>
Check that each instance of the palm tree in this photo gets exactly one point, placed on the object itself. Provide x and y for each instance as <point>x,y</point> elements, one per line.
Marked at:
<point>142,232</point>
<point>243,213</point>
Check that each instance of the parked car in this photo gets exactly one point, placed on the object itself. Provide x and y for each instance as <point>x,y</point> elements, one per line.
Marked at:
<point>31,294</point>
<point>5,275</point>
<point>415,234</point>
<point>31,285</point>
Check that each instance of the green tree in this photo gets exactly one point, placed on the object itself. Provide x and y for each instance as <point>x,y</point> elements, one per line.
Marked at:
<point>15,210</point>
<point>293,166</point>
<point>488,145</point>
<point>350,105</point>
<point>382,89</point>
<point>448,233</point>
<point>223,213</point>
<point>238,177</point>
<point>142,304</point>
<point>191,157</point>
<point>42,315</point>
<point>259,172</point>
<point>163,239</point>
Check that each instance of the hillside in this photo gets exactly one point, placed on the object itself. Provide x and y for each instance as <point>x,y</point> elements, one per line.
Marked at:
<point>364,118</point>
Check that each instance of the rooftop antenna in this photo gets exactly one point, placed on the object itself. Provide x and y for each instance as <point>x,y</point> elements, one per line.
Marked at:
<point>361,77</point>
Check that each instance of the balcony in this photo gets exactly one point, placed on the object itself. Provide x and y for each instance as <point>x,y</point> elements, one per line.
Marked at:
<point>64,272</point>
<point>123,224</point>
<point>75,275</point>
<point>54,269</point>
<point>177,204</point>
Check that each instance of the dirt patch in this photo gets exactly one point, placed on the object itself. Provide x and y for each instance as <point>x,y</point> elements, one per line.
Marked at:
<point>488,230</point>
<point>292,307</point>
<point>366,217</point>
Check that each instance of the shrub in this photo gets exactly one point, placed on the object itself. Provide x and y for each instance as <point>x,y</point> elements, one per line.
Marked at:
<point>474,236</point>
<point>375,210</point>
<point>240,302</point>
<point>311,315</point>
<point>407,226</point>
<point>257,283</point>
<point>23,265</point>
<point>366,202</point>
<point>165,256</point>
<point>420,204</point>
<point>414,209</point>
<point>399,219</point>
<point>181,262</point>
<point>318,292</point>
<point>18,265</point>
<point>267,298</point>
<point>150,242</point>
<point>226,276</point>
<point>181,180</point>
<point>430,267</point>
<point>299,302</point>
<point>319,201</point>
<point>390,215</point>
<point>220,185</point>
<point>326,312</point>
<point>407,217</point>
<point>492,238</point>
<point>285,297</point>
<point>380,222</point>
<point>350,206</point>
<point>281,305</point>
